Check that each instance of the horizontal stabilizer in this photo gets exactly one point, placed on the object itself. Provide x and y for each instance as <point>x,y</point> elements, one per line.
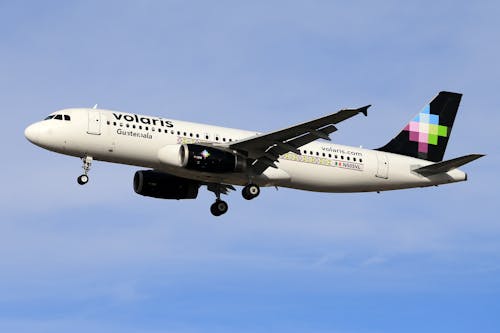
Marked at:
<point>445,166</point>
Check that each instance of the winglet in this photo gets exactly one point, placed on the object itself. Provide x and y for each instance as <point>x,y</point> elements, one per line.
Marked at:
<point>364,110</point>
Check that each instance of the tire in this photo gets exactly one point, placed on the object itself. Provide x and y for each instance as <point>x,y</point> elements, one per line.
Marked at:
<point>219,208</point>
<point>250,191</point>
<point>83,179</point>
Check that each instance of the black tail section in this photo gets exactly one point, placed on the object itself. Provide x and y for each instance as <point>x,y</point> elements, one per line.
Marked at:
<point>427,134</point>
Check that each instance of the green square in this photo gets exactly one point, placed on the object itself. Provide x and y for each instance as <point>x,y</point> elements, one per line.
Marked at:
<point>433,129</point>
<point>443,131</point>
<point>433,139</point>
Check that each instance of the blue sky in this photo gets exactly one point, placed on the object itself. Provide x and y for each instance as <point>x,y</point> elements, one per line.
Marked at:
<point>102,259</point>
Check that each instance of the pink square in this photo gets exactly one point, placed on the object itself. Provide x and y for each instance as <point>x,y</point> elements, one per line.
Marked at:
<point>414,136</point>
<point>423,137</point>
<point>407,128</point>
<point>414,126</point>
<point>422,147</point>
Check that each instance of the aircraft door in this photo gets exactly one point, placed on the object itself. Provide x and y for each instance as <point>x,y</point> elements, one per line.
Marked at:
<point>94,122</point>
<point>382,166</point>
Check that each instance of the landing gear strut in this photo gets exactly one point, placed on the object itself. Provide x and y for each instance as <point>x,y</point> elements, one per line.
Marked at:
<point>219,207</point>
<point>87,163</point>
<point>250,191</point>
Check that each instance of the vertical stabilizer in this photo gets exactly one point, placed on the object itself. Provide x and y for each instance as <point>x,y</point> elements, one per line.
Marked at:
<point>427,134</point>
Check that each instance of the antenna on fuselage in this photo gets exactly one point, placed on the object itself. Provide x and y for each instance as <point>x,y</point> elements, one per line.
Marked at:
<point>95,107</point>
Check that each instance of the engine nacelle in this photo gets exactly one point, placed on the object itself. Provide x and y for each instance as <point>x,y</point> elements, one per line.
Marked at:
<point>160,185</point>
<point>202,158</point>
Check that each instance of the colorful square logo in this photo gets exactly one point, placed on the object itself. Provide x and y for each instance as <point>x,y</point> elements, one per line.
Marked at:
<point>425,130</point>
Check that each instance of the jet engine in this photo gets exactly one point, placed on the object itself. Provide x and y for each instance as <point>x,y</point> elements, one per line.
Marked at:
<point>202,158</point>
<point>160,185</point>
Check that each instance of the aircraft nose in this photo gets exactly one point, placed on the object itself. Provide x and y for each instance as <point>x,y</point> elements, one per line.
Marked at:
<point>32,133</point>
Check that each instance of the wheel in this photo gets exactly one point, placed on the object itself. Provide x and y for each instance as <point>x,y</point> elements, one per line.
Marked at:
<point>219,208</point>
<point>250,191</point>
<point>83,179</point>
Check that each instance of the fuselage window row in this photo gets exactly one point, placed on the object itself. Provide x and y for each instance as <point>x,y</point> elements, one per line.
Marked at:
<point>311,153</point>
<point>185,134</point>
<point>217,138</point>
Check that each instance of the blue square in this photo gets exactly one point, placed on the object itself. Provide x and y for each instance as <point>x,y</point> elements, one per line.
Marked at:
<point>426,109</point>
<point>434,119</point>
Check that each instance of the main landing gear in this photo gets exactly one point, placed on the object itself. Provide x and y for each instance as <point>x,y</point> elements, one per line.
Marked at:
<point>87,163</point>
<point>220,207</point>
<point>251,191</point>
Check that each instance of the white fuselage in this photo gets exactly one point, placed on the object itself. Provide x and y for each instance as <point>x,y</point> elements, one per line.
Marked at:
<point>136,140</point>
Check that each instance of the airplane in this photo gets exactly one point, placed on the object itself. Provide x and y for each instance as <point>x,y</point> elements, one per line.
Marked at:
<point>180,156</point>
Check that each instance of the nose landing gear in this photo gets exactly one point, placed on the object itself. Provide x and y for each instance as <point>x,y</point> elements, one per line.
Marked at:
<point>87,163</point>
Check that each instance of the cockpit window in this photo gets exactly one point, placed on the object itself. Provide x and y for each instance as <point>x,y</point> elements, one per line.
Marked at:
<point>59,117</point>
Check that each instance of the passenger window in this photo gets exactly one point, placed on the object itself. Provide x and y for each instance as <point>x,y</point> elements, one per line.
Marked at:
<point>114,123</point>
<point>360,160</point>
<point>348,158</point>
<point>324,155</point>
<point>354,159</point>
<point>66,117</point>
<point>329,155</point>
<point>108,122</point>
<point>127,125</point>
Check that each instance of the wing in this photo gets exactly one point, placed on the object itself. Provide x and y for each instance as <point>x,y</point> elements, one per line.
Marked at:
<point>265,149</point>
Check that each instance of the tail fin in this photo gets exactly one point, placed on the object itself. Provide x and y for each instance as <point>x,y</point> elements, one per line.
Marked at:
<point>427,134</point>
